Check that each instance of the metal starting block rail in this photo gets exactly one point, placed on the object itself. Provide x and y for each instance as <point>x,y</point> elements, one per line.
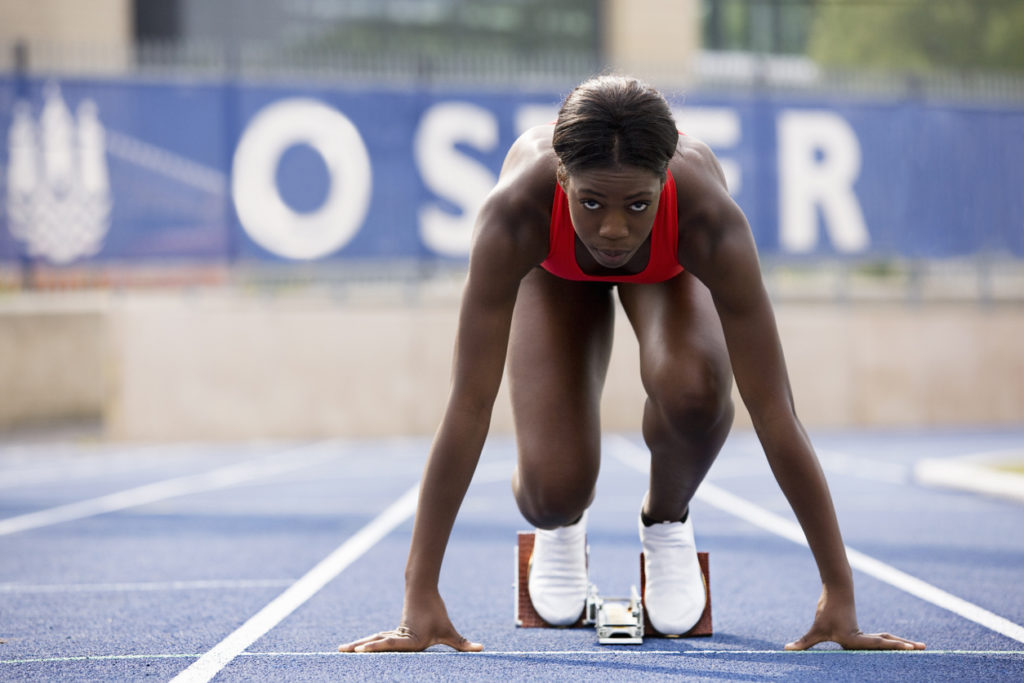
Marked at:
<point>619,621</point>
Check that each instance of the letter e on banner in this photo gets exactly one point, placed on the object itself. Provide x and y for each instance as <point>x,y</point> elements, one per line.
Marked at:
<point>453,176</point>
<point>719,128</point>
<point>819,161</point>
<point>264,214</point>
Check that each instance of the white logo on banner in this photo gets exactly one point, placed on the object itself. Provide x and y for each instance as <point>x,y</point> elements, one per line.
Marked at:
<point>58,187</point>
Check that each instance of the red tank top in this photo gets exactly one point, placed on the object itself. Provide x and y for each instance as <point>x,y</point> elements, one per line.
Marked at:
<point>662,265</point>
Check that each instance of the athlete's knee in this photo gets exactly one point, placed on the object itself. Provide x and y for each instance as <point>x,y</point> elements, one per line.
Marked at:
<point>550,502</point>
<point>698,399</point>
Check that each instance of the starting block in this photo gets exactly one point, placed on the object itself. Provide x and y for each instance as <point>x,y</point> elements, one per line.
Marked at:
<point>618,621</point>
<point>703,626</point>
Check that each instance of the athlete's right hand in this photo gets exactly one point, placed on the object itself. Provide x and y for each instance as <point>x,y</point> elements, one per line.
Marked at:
<point>425,623</point>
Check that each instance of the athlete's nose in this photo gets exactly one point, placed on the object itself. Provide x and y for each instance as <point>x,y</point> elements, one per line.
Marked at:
<point>614,228</point>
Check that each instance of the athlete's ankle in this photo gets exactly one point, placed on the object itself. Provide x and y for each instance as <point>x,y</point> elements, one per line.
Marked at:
<point>651,521</point>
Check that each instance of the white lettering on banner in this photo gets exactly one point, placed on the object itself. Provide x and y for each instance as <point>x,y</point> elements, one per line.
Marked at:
<point>451,175</point>
<point>264,214</point>
<point>819,161</point>
<point>719,128</point>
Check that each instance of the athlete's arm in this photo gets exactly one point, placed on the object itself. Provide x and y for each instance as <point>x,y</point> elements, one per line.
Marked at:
<point>510,239</point>
<point>717,246</point>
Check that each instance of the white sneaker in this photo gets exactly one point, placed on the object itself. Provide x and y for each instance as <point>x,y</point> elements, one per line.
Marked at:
<point>674,594</point>
<point>558,573</point>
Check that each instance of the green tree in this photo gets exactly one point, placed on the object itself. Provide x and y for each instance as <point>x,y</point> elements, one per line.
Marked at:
<point>919,36</point>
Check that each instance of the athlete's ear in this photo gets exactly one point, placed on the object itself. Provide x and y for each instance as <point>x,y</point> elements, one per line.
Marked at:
<point>563,177</point>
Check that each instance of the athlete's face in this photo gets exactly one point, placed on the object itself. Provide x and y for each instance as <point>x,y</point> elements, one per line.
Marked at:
<point>612,210</point>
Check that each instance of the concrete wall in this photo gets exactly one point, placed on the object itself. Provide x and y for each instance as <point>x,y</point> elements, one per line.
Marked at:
<point>66,21</point>
<point>227,366</point>
<point>892,365</point>
<point>100,29</point>
<point>52,356</point>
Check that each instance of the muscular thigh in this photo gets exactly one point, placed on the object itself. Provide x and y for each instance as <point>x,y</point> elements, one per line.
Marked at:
<point>558,356</point>
<point>683,357</point>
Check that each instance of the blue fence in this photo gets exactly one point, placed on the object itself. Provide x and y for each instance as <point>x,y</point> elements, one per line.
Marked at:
<point>128,171</point>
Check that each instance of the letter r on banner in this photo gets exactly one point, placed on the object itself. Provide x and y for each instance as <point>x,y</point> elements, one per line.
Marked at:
<point>819,161</point>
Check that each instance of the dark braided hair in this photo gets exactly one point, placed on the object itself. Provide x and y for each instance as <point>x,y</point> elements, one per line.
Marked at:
<point>612,120</point>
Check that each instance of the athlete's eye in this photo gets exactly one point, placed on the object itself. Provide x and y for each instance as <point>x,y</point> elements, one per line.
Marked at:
<point>639,207</point>
<point>590,204</point>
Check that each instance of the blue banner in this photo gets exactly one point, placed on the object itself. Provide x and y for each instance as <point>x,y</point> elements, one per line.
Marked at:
<point>126,171</point>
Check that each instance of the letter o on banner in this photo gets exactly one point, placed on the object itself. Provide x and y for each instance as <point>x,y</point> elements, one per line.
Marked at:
<point>264,215</point>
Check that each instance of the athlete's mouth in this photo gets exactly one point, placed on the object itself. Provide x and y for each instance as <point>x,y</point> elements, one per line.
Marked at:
<point>611,258</point>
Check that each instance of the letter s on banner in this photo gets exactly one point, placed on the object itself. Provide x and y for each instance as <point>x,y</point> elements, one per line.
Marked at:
<point>451,175</point>
<point>264,214</point>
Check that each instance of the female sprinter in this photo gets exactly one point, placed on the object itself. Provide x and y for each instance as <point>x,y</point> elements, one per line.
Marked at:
<point>612,199</point>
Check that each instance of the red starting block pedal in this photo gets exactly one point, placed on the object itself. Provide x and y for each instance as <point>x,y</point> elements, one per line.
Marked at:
<point>526,616</point>
<point>703,626</point>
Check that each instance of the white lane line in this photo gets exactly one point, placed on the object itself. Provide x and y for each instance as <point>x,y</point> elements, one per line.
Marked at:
<point>128,587</point>
<point>179,486</point>
<point>604,652</point>
<point>207,666</point>
<point>864,468</point>
<point>621,650</point>
<point>60,472</point>
<point>749,464</point>
<point>636,457</point>
<point>974,473</point>
<point>72,464</point>
<point>95,658</point>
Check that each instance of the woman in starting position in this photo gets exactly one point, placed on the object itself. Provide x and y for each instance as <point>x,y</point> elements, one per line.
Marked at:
<point>611,198</point>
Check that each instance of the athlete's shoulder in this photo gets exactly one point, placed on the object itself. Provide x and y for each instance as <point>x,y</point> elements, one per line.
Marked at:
<point>694,164</point>
<point>531,158</point>
<point>514,219</point>
<point>708,215</point>
<point>527,180</point>
<point>701,191</point>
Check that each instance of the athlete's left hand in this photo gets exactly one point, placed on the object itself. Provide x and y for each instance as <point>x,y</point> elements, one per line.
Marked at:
<point>836,621</point>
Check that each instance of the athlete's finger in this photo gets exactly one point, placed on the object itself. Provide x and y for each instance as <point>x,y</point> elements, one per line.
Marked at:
<point>351,647</point>
<point>390,644</point>
<point>382,635</point>
<point>882,641</point>
<point>917,644</point>
<point>807,641</point>
<point>461,644</point>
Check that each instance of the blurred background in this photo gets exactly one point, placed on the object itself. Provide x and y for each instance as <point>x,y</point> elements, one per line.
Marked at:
<point>234,219</point>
